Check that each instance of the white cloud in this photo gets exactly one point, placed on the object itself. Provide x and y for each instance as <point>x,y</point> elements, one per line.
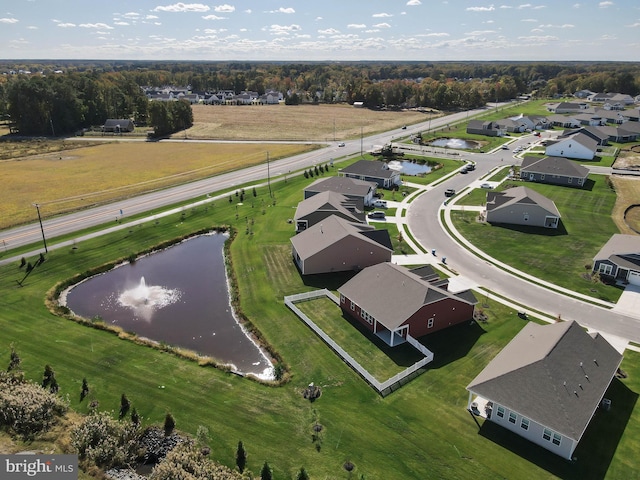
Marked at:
<point>356,25</point>
<point>382,25</point>
<point>633,25</point>
<point>183,7</point>
<point>66,25</point>
<point>550,25</point>
<point>213,17</point>
<point>478,33</point>
<point>151,17</point>
<point>381,15</point>
<point>131,15</point>
<point>505,6</point>
<point>96,25</point>
<point>8,20</point>
<point>577,5</point>
<point>121,24</point>
<point>413,3</point>
<point>532,20</point>
<point>608,37</point>
<point>329,31</point>
<point>490,8</point>
<point>248,10</point>
<point>284,29</point>
<point>437,34</point>
<point>318,19</point>
<point>32,27</point>
<point>284,10</point>
<point>224,8</point>
<point>605,4</point>
<point>524,5</point>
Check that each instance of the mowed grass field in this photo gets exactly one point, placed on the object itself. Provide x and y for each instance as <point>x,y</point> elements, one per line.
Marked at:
<point>422,431</point>
<point>83,177</point>
<point>320,123</point>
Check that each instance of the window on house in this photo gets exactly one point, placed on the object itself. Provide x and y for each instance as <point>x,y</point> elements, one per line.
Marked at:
<point>524,423</point>
<point>605,269</point>
<point>580,181</point>
<point>430,323</point>
<point>500,412</point>
<point>570,179</point>
<point>556,439</point>
<point>353,306</point>
<point>368,318</point>
<point>342,299</point>
<point>542,177</point>
<point>546,434</point>
<point>512,417</point>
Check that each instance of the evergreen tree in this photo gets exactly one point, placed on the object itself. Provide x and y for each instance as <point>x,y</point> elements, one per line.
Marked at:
<point>54,387</point>
<point>135,418</point>
<point>85,389</point>
<point>266,473</point>
<point>124,405</point>
<point>47,376</point>
<point>302,474</point>
<point>169,424</point>
<point>14,361</point>
<point>241,457</point>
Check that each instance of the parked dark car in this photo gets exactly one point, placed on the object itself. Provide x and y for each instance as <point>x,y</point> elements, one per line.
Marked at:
<point>450,192</point>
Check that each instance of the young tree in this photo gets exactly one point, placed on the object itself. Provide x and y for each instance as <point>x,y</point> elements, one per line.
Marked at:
<point>266,473</point>
<point>241,457</point>
<point>14,360</point>
<point>169,424</point>
<point>85,389</point>
<point>47,376</point>
<point>135,418</point>
<point>125,404</point>
<point>53,387</point>
<point>302,474</point>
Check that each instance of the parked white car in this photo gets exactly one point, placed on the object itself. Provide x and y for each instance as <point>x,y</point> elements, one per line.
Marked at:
<point>379,203</point>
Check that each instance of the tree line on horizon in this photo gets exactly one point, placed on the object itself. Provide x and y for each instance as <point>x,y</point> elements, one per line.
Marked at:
<point>87,93</point>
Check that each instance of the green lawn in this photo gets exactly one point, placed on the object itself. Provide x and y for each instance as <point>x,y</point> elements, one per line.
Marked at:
<point>421,431</point>
<point>560,256</point>
<point>379,359</point>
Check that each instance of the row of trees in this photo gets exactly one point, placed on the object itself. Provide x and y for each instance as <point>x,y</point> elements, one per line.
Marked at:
<point>90,92</point>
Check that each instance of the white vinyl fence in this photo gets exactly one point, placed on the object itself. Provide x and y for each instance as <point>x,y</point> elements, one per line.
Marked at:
<point>383,388</point>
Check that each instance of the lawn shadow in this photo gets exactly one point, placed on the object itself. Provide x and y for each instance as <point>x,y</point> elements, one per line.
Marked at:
<point>596,449</point>
<point>451,344</point>
<point>528,230</point>
<point>403,355</point>
<point>330,281</point>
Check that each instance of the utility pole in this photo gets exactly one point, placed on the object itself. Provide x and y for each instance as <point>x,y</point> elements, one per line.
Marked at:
<point>44,240</point>
<point>361,141</point>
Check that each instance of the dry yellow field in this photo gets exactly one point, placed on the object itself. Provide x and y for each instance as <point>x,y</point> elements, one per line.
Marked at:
<point>293,122</point>
<point>86,176</point>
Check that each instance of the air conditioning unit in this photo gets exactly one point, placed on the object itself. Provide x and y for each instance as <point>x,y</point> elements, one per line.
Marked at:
<point>606,404</point>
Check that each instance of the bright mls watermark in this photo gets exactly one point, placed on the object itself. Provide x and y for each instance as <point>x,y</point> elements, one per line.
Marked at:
<point>50,467</point>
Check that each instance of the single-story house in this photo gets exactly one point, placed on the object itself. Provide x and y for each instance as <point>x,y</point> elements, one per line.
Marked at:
<point>627,132</point>
<point>564,121</point>
<point>612,98</point>
<point>488,128</point>
<point>576,146</point>
<point>315,209</point>
<point>594,132</point>
<point>337,245</point>
<point>567,107</point>
<point>553,170</point>
<point>373,171</point>
<point>394,302</point>
<point>619,259</point>
<point>360,191</point>
<point>521,206</point>
<point>121,125</point>
<point>547,384</point>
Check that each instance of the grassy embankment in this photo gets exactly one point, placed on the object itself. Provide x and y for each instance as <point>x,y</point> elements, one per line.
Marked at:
<point>421,431</point>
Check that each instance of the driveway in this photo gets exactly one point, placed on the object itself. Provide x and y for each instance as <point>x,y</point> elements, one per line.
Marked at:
<point>629,303</point>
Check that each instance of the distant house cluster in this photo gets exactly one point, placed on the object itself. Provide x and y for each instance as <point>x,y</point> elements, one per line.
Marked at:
<point>221,97</point>
<point>332,235</point>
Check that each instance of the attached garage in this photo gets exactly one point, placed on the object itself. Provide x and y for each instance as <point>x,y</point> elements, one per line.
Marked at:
<point>634,278</point>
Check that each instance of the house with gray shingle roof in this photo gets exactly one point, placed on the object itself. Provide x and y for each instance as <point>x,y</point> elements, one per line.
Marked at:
<point>392,302</point>
<point>373,171</point>
<point>521,206</point>
<point>576,146</point>
<point>553,170</point>
<point>337,245</point>
<point>318,207</point>
<point>547,384</point>
<point>360,191</point>
<point>619,259</point>
<point>485,127</point>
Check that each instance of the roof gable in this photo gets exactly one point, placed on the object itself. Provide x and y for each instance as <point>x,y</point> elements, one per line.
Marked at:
<point>554,374</point>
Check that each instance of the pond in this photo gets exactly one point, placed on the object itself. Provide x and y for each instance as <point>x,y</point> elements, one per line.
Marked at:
<point>179,296</point>
<point>409,168</point>
<point>454,143</point>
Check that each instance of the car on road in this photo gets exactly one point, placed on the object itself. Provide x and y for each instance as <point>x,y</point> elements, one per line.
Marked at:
<point>341,144</point>
<point>470,167</point>
<point>505,147</point>
<point>376,214</point>
<point>449,192</point>
<point>486,185</point>
<point>404,127</point>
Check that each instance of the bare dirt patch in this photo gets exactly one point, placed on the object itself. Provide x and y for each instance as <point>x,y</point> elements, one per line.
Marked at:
<point>628,159</point>
<point>628,194</point>
<point>294,122</point>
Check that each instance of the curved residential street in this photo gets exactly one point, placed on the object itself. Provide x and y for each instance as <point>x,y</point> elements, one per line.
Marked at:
<point>418,212</point>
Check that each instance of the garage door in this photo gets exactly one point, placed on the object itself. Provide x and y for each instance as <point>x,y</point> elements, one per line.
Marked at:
<point>634,278</point>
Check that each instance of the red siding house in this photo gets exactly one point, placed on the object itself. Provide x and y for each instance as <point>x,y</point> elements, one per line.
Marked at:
<point>394,302</point>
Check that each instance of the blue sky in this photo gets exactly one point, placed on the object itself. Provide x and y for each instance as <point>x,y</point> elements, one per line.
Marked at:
<point>424,30</point>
